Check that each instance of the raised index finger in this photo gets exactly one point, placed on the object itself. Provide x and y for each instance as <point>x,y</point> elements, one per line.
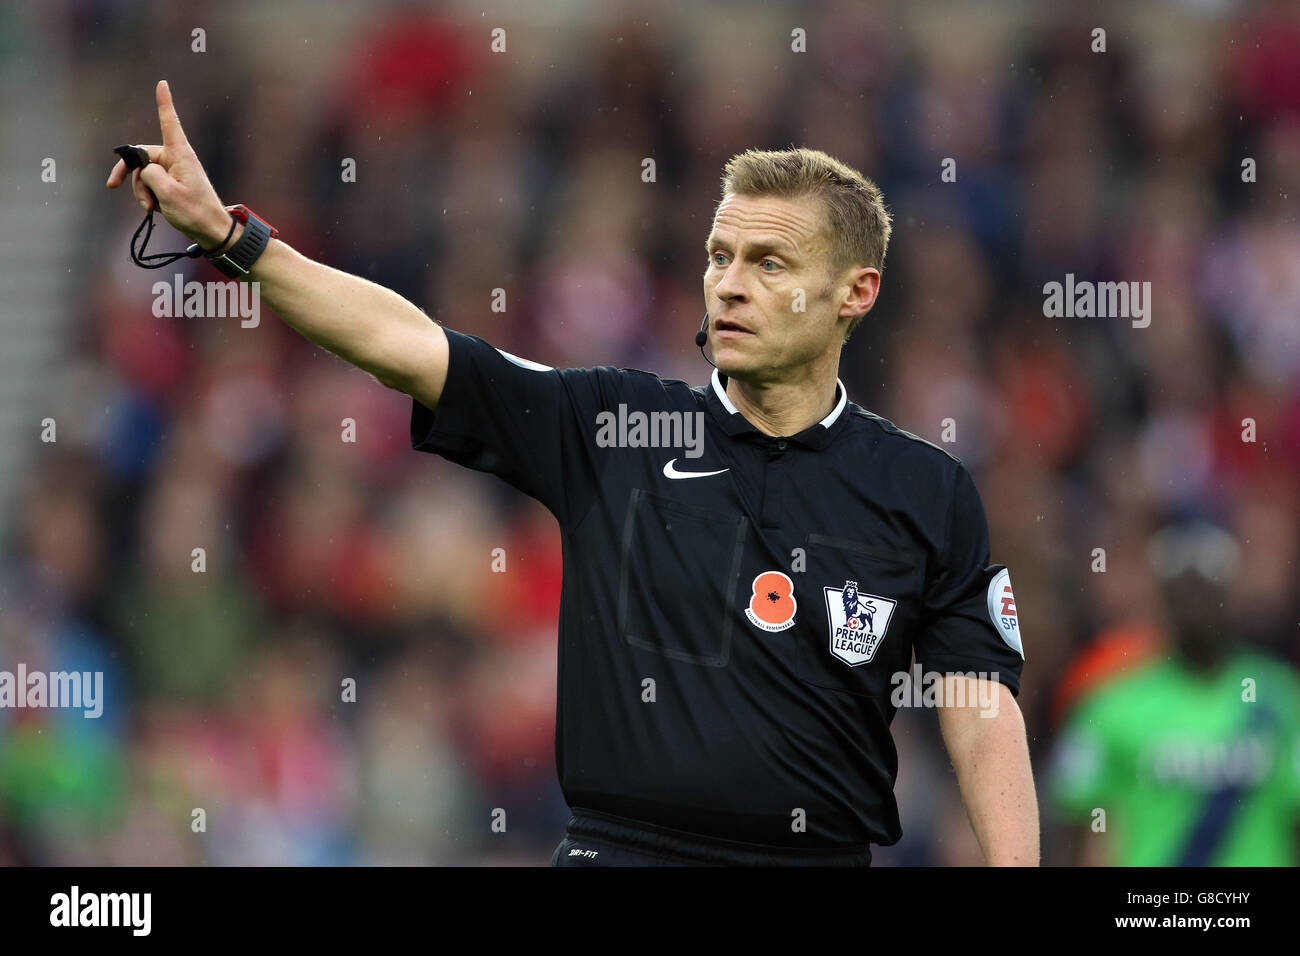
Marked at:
<point>172,134</point>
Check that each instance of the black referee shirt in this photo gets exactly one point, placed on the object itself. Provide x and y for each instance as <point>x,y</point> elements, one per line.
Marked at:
<point>735,613</point>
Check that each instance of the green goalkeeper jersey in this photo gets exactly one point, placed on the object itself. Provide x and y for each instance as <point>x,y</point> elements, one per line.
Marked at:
<point>1190,769</point>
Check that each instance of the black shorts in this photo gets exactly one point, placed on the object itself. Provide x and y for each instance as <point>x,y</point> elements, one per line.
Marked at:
<point>593,838</point>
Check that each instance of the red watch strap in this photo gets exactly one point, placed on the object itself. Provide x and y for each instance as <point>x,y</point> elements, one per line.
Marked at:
<point>241,214</point>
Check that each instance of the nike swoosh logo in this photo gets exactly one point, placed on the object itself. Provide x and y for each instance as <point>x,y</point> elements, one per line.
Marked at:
<point>671,472</point>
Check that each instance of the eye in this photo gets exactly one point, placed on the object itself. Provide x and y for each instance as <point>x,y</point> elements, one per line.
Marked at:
<point>773,261</point>
<point>713,258</point>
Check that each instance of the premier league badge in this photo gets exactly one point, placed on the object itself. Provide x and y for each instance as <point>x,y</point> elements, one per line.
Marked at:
<point>857,622</point>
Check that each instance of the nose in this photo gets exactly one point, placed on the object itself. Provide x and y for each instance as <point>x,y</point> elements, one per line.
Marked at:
<point>729,287</point>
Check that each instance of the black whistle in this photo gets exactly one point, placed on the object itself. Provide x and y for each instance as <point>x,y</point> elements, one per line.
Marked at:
<point>135,157</point>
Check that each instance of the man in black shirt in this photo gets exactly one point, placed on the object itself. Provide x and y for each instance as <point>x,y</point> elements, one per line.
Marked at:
<point>750,566</point>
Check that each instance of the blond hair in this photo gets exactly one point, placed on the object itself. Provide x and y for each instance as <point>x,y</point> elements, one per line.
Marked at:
<point>855,222</point>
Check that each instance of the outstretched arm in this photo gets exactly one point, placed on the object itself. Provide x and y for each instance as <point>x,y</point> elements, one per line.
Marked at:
<point>363,323</point>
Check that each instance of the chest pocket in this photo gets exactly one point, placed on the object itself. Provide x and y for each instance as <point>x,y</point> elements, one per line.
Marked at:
<point>862,608</point>
<point>669,551</point>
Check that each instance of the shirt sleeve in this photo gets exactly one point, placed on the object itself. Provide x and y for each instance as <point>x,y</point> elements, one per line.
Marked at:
<point>970,622</point>
<point>529,424</point>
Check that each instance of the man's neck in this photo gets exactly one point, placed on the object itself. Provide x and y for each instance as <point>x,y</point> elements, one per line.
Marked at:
<point>784,408</point>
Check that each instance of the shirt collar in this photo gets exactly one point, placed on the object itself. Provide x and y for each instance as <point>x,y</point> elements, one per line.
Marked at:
<point>734,423</point>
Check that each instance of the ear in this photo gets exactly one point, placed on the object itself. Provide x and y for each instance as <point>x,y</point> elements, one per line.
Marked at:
<point>864,286</point>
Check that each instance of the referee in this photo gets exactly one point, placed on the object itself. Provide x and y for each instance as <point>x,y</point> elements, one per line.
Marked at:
<point>750,566</point>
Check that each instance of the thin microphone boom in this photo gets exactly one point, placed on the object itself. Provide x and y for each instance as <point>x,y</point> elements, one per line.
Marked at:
<point>701,337</point>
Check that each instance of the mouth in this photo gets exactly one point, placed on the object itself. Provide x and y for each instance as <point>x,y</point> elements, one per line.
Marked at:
<point>727,326</point>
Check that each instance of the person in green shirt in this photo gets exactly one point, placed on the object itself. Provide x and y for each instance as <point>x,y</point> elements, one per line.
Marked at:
<point>1192,758</point>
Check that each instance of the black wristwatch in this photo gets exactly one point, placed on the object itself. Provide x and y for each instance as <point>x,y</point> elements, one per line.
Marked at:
<point>237,261</point>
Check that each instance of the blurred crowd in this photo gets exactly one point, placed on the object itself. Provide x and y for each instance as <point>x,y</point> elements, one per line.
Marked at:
<point>328,560</point>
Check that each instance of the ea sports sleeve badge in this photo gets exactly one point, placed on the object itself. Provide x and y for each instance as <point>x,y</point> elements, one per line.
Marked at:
<point>1002,611</point>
